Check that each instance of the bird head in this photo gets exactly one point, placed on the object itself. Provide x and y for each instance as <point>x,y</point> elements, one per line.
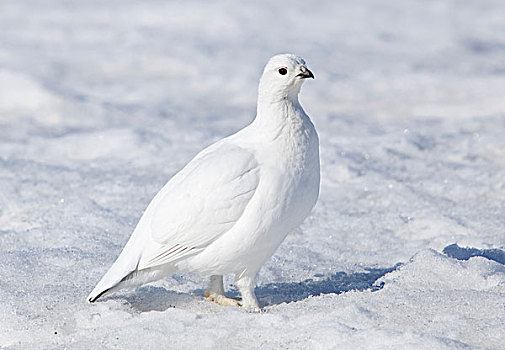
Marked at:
<point>283,77</point>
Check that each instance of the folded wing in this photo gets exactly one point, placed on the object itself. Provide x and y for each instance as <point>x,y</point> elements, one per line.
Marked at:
<point>199,204</point>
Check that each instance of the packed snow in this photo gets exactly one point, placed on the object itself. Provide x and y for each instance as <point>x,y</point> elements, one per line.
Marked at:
<point>102,102</point>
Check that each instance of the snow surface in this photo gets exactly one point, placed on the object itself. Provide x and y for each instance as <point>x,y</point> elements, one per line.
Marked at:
<point>101,102</point>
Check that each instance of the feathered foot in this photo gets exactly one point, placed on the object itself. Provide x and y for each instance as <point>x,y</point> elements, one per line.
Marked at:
<point>215,292</point>
<point>222,299</point>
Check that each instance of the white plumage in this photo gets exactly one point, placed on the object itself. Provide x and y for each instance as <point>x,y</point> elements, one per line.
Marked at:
<point>229,208</point>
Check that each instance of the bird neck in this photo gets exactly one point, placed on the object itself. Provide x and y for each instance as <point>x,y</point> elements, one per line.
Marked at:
<point>273,115</point>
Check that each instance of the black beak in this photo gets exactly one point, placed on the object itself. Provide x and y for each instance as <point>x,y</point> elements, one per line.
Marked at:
<point>306,74</point>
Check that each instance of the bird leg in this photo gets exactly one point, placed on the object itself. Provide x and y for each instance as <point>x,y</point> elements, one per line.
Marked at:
<point>215,292</point>
<point>245,285</point>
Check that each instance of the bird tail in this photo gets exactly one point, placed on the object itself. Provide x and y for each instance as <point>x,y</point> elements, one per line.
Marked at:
<point>132,279</point>
<point>120,272</point>
<point>124,273</point>
<point>113,279</point>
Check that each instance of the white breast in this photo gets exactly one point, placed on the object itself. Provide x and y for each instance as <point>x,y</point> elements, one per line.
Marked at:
<point>286,193</point>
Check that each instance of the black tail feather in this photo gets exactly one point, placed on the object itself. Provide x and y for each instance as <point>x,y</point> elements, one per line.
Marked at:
<point>92,300</point>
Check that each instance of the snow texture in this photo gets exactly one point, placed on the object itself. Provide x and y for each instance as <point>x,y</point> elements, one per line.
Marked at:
<point>102,102</point>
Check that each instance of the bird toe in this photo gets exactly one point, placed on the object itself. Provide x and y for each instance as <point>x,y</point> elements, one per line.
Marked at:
<point>221,299</point>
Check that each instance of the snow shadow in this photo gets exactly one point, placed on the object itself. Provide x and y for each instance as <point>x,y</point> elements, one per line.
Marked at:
<point>151,298</point>
<point>340,282</point>
<point>465,253</point>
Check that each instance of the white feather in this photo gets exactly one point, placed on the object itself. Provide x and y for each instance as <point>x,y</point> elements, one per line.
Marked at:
<point>199,204</point>
<point>234,203</point>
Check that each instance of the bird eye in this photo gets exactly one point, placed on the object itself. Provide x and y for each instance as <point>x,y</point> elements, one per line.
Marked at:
<point>283,71</point>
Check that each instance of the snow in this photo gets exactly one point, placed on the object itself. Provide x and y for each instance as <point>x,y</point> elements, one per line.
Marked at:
<point>101,102</point>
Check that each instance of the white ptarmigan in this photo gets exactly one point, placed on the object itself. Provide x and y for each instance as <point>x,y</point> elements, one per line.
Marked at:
<point>229,208</point>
